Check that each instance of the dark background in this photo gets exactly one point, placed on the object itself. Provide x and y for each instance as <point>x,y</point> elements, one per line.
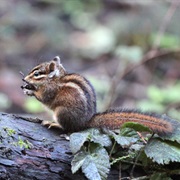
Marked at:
<point>107,41</point>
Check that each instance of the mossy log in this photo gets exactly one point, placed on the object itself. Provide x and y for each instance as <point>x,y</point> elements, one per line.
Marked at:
<point>29,150</point>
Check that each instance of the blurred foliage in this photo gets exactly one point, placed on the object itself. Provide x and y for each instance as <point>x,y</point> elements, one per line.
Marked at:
<point>169,41</point>
<point>92,37</point>
<point>159,99</point>
<point>132,54</point>
<point>32,105</point>
<point>5,102</point>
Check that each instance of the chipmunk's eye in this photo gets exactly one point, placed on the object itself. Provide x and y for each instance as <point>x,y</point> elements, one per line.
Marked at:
<point>36,73</point>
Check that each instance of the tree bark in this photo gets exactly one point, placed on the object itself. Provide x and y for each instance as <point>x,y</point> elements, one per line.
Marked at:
<point>29,150</point>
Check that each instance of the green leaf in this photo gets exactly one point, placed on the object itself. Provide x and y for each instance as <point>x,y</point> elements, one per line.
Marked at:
<point>78,161</point>
<point>136,126</point>
<point>128,132</point>
<point>94,135</point>
<point>94,163</point>
<point>124,141</point>
<point>163,152</point>
<point>89,169</point>
<point>136,147</point>
<point>144,159</point>
<point>77,140</point>
<point>100,138</point>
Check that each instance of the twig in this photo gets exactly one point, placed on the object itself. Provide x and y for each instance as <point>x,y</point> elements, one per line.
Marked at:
<point>120,158</point>
<point>151,55</point>
<point>111,95</point>
<point>134,165</point>
<point>142,138</point>
<point>112,149</point>
<point>141,178</point>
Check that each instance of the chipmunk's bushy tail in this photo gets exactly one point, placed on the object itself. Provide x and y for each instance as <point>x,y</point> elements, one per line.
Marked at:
<point>115,118</point>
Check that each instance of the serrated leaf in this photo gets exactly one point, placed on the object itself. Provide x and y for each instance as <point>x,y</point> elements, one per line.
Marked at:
<point>100,138</point>
<point>96,164</point>
<point>78,161</point>
<point>77,140</point>
<point>90,170</point>
<point>136,126</point>
<point>124,141</point>
<point>94,135</point>
<point>144,160</point>
<point>163,152</point>
<point>129,132</point>
<point>137,147</point>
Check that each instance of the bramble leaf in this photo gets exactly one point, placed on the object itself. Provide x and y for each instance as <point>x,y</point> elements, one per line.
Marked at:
<point>129,132</point>
<point>77,140</point>
<point>78,161</point>
<point>94,163</point>
<point>94,135</point>
<point>124,141</point>
<point>163,151</point>
<point>100,138</point>
<point>136,126</point>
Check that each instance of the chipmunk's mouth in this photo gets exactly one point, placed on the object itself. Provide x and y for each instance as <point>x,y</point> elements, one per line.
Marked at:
<point>28,86</point>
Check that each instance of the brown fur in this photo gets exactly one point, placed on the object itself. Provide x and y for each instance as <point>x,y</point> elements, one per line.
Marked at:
<point>73,100</point>
<point>114,119</point>
<point>70,96</point>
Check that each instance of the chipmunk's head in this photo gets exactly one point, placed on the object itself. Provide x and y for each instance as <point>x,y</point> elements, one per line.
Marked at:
<point>43,74</point>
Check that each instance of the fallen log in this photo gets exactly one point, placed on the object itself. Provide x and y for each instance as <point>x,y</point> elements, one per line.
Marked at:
<point>29,150</point>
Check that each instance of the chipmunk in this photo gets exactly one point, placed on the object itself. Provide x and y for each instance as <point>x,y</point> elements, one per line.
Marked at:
<point>72,99</point>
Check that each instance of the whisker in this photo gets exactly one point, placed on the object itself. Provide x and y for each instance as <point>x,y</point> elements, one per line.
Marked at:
<point>20,72</point>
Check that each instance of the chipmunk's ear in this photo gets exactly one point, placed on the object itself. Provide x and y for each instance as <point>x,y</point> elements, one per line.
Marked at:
<point>56,68</point>
<point>57,60</point>
<point>52,67</point>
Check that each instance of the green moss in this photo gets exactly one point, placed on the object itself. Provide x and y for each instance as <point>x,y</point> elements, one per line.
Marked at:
<point>9,131</point>
<point>23,143</point>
